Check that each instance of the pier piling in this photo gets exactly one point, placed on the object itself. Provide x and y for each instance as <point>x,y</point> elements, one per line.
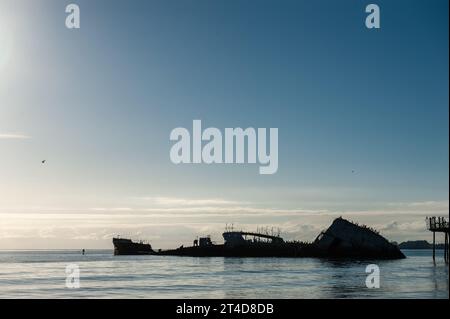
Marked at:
<point>434,246</point>
<point>440,225</point>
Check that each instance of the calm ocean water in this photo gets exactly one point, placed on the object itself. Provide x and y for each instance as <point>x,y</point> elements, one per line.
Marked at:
<point>41,274</point>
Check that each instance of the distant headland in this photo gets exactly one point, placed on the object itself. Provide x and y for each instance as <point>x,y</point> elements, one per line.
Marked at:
<point>418,244</point>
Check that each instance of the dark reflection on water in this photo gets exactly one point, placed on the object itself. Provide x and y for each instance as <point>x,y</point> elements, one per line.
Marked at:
<point>41,274</point>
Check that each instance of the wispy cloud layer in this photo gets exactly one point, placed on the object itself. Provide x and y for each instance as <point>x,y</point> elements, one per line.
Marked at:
<point>176,201</point>
<point>16,136</point>
<point>168,221</point>
<point>174,207</point>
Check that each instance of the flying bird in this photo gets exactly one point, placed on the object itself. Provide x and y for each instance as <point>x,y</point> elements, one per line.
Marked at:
<point>43,162</point>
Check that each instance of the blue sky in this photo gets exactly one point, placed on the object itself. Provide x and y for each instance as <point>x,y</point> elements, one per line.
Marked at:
<point>99,104</point>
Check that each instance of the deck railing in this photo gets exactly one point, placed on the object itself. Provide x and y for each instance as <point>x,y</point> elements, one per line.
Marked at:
<point>439,224</point>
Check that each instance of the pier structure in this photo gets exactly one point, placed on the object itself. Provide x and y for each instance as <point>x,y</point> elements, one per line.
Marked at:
<point>437,224</point>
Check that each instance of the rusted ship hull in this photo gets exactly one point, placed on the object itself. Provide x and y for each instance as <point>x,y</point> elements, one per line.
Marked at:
<point>307,250</point>
<point>124,246</point>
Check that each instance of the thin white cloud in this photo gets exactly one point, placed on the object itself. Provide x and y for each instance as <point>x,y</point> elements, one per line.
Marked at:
<point>177,201</point>
<point>205,207</point>
<point>16,136</point>
<point>407,226</point>
<point>111,209</point>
